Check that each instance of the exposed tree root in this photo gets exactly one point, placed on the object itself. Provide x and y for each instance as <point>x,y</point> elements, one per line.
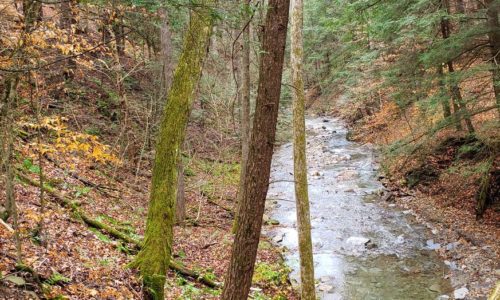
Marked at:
<point>67,202</point>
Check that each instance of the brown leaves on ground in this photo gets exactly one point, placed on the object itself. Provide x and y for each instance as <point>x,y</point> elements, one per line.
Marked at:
<point>93,265</point>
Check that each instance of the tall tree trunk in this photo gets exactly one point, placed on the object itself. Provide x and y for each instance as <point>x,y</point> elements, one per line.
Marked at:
<point>460,6</point>
<point>454,87</point>
<point>167,71</point>
<point>118,32</point>
<point>244,113</point>
<point>493,8</point>
<point>166,50</point>
<point>445,103</point>
<point>239,275</point>
<point>307,291</point>
<point>32,13</point>
<point>154,257</point>
<point>66,22</point>
<point>7,110</point>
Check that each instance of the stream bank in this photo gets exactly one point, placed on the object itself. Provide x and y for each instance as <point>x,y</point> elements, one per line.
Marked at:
<point>364,247</point>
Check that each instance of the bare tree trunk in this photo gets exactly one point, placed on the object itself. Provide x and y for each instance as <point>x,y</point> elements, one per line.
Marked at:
<point>154,257</point>
<point>244,114</point>
<point>445,103</point>
<point>7,109</point>
<point>493,8</point>
<point>32,12</point>
<point>66,22</point>
<point>166,50</point>
<point>307,291</point>
<point>454,87</point>
<point>244,252</point>
<point>460,6</point>
<point>119,33</point>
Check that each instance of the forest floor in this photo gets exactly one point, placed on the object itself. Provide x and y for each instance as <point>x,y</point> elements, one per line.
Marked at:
<point>81,262</point>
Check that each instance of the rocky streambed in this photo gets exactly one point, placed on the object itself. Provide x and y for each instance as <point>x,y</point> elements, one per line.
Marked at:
<point>363,248</point>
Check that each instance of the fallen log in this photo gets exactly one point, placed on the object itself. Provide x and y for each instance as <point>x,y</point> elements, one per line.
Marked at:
<point>66,202</point>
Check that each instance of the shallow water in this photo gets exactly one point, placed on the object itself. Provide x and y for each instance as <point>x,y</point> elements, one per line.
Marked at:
<point>397,262</point>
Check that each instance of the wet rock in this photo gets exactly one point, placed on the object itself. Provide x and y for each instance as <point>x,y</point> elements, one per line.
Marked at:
<point>435,288</point>
<point>358,240</point>
<point>265,218</point>
<point>324,127</point>
<point>432,246</point>
<point>325,288</point>
<point>326,120</point>
<point>400,239</point>
<point>324,279</point>
<point>349,191</point>
<point>278,238</point>
<point>451,264</point>
<point>452,246</point>
<point>460,293</point>
<point>371,246</point>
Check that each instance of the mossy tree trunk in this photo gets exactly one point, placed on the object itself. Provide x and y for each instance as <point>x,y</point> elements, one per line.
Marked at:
<point>167,71</point>
<point>153,259</point>
<point>256,182</point>
<point>307,291</point>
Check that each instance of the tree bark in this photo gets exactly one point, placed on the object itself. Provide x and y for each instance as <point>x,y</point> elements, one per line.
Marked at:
<point>445,103</point>
<point>239,275</point>
<point>167,71</point>
<point>154,258</point>
<point>307,291</point>
<point>244,113</point>
<point>66,22</point>
<point>492,11</point>
<point>119,33</point>
<point>32,12</point>
<point>166,50</point>
<point>7,110</point>
<point>180,201</point>
<point>454,87</point>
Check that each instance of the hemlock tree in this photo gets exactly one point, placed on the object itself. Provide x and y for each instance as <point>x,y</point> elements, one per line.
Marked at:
<point>256,182</point>
<point>299,155</point>
<point>153,259</point>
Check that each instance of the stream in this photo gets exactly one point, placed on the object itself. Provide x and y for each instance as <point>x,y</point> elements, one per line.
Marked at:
<point>363,249</point>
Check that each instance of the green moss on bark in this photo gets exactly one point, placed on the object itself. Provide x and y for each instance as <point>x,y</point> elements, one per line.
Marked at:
<point>153,259</point>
